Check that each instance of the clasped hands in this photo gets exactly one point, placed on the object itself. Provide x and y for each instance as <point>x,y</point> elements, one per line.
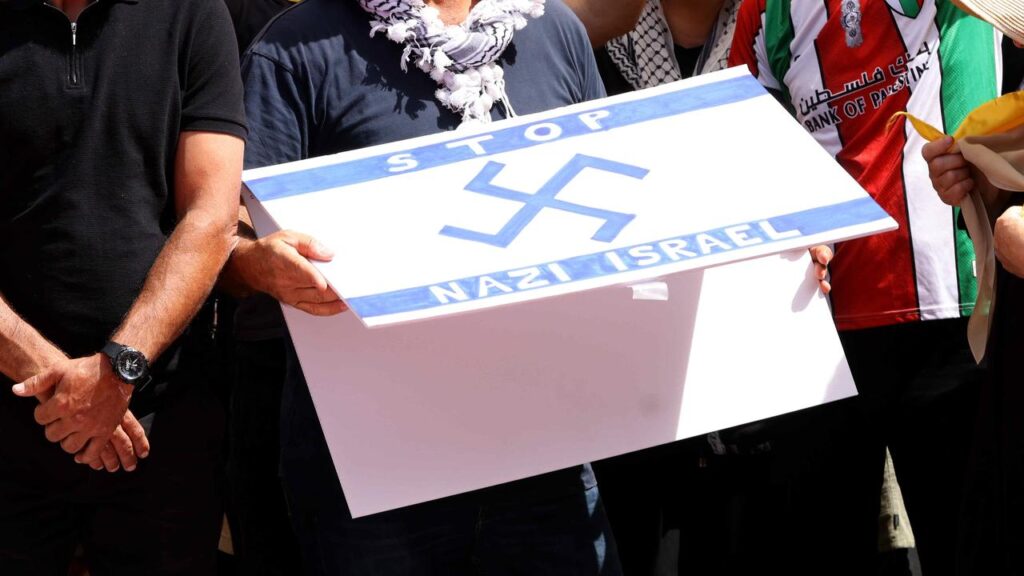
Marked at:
<point>83,406</point>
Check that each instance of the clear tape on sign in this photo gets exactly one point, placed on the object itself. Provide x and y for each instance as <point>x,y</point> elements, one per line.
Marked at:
<point>656,290</point>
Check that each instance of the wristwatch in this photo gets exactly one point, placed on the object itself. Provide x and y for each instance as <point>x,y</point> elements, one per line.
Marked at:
<point>130,365</point>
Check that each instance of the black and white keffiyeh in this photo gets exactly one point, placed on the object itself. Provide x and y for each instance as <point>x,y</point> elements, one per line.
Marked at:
<point>461,58</point>
<point>719,44</point>
<point>646,55</point>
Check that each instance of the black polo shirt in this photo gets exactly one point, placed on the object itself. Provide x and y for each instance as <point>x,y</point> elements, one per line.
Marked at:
<point>90,115</point>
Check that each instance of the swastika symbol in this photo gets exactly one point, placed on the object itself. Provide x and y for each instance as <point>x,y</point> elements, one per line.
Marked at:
<point>533,204</point>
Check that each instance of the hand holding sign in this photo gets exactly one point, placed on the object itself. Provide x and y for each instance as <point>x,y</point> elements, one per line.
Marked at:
<point>279,265</point>
<point>821,256</point>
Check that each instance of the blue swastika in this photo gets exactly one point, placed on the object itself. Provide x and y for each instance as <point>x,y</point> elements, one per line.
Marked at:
<point>614,222</point>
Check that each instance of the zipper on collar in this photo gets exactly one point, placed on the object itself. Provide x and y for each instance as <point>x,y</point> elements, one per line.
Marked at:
<point>74,72</point>
<point>74,62</point>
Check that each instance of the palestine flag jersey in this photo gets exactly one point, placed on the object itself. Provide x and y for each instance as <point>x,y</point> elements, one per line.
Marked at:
<point>845,67</point>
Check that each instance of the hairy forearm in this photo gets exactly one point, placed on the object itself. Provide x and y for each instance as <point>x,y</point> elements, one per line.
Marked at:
<point>24,352</point>
<point>208,170</point>
<point>180,280</point>
<point>605,20</point>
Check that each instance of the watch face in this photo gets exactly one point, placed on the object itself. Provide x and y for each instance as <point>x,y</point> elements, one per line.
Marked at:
<point>131,364</point>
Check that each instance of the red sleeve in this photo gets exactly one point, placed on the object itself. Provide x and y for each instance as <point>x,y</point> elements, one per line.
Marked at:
<point>748,27</point>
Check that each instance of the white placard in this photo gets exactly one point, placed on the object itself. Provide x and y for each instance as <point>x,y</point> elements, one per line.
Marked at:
<point>429,409</point>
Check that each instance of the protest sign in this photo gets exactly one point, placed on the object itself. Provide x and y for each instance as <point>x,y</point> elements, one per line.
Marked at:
<point>512,244</point>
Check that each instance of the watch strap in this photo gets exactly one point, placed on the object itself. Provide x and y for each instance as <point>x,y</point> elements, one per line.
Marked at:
<point>112,349</point>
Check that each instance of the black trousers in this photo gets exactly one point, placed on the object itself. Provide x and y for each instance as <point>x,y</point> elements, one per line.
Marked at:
<point>261,531</point>
<point>682,510</point>
<point>162,519</point>
<point>992,527</point>
<point>647,497</point>
<point>918,394</point>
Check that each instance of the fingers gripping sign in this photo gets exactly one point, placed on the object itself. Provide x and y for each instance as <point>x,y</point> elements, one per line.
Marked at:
<point>821,256</point>
<point>280,265</point>
<point>87,406</point>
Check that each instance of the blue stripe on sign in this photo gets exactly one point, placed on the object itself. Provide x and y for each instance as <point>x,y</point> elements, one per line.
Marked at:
<point>506,139</point>
<point>620,260</point>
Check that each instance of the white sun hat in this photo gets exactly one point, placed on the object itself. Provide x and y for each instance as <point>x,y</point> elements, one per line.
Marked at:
<point>1006,15</point>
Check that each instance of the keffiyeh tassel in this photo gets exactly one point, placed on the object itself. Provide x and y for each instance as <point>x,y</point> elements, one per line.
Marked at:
<point>462,59</point>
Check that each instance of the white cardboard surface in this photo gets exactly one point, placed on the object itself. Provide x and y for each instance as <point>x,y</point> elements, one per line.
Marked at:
<point>428,409</point>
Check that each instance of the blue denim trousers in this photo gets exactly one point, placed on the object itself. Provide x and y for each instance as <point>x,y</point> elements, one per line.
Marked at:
<point>551,524</point>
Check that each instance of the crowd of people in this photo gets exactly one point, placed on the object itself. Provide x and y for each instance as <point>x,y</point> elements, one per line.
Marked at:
<point>154,385</point>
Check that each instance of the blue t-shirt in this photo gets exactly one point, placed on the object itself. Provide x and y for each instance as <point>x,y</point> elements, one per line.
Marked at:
<point>317,84</point>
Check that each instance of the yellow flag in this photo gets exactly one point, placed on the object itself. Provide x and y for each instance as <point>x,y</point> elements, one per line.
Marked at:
<point>993,117</point>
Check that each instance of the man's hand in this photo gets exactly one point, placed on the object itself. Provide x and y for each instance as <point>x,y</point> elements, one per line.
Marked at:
<point>279,265</point>
<point>88,404</point>
<point>1009,241</point>
<point>950,173</point>
<point>25,353</point>
<point>821,256</point>
<point>125,448</point>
